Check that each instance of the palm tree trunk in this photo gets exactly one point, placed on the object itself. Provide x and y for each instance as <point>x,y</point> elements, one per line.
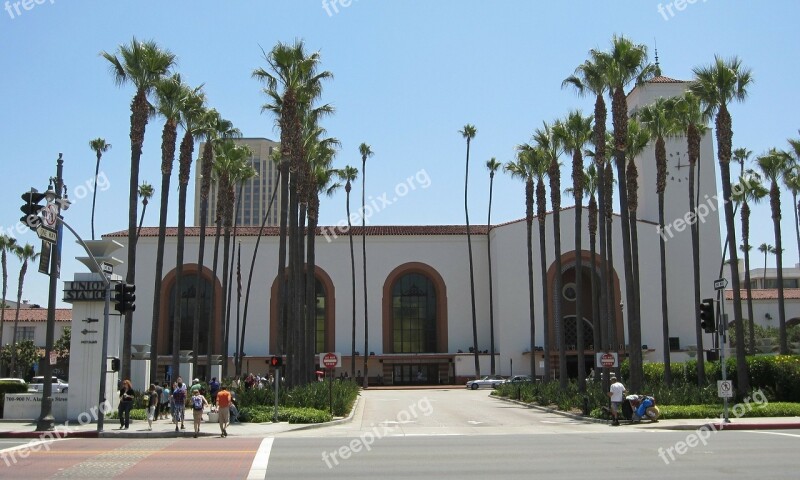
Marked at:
<point>746,243</point>
<point>693,148</point>
<point>597,338</point>
<point>775,201</point>
<point>529,248</point>
<point>226,250</point>
<point>283,172</point>
<point>141,220</point>
<point>235,220</point>
<point>201,284</point>
<point>300,295</point>
<point>795,208</point>
<point>364,268</point>
<point>253,263</point>
<point>186,151</point>
<point>14,352</point>
<point>311,310</point>
<point>599,141</point>
<point>476,353</point>
<point>491,286</point>
<point>542,212</point>
<point>353,286</point>
<point>4,262</point>
<point>214,307</point>
<point>613,337</point>
<point>294,259</point>
<point>577,175</point>
<point>664,299</point>
<point>94,191</point>
<point>558,320</point>
<point>140,109</point>
<point>724,135</point>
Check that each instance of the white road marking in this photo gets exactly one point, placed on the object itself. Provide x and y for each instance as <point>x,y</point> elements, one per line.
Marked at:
<point>474,422</point>
<point>778,433</point>
<point>30,444</point>
<point>258,470</point>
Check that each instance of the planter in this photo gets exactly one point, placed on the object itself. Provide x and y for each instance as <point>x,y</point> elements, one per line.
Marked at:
<point>213,417</point>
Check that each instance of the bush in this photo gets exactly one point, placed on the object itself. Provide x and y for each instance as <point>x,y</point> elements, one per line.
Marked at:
<point>263,414</point>
<point>315,395</point>
<point>10,387</point>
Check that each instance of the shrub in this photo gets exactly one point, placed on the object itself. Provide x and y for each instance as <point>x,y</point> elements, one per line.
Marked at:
<point>313,395</point>
<point>263,414</point>
<point>10,387</point>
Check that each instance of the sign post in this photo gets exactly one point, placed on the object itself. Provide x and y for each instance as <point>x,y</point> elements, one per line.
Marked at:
<point>719,286</point>
<point>330,361</point>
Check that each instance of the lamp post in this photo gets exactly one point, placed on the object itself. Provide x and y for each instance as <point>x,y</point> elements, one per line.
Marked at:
<point>46,421</point>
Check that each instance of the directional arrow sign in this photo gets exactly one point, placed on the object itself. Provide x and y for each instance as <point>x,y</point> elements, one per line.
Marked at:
<point>47,234</point>
<point>720,284</point>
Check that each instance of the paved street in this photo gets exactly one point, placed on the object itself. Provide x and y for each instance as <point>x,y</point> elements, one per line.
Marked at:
<point>421,434</point>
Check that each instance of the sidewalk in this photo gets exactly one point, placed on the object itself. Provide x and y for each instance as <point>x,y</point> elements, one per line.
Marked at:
<point>751,423</point>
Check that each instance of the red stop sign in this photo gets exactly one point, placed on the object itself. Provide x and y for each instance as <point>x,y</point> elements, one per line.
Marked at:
<point>330,360</point>
<point>607,360</point>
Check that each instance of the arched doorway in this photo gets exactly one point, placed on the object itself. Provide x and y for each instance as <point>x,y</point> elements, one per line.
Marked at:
<point>325,325</point>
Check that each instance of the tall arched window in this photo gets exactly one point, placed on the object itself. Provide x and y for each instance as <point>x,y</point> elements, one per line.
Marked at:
<point>414,314</point>
<point>189,288</point>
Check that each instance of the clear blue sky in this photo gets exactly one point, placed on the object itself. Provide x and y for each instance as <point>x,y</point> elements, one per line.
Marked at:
<point>408,76</point>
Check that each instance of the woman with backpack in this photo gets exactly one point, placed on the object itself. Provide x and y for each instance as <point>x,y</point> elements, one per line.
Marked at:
<point>199,402</point>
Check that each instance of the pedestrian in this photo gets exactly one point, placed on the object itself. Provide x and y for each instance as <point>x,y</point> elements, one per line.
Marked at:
<point>199,402</point>
<point>152,405</point>
<point>178,402</point>
<point>126,395</point>
<point>617,394</point>
<point>213,389</point>
<point>166,394</point>
<point>196,386</point>
<point>224,401</point>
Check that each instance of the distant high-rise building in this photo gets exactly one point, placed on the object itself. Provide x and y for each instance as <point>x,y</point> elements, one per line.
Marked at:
<point>255,193</point>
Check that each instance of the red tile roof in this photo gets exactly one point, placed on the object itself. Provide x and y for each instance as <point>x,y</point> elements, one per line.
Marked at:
<point>378,230</point>
<point>767,294</point>
<point>39,314</point>
<point>663,79</point>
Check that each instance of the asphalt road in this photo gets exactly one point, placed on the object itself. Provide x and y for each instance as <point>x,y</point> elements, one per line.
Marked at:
<point>424,434</point>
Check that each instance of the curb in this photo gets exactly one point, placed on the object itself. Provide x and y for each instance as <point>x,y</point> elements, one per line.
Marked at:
<point>340,421</point>
<point>34,434</point>
<point>574,416</point>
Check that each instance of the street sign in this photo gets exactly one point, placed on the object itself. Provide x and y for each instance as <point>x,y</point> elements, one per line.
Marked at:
<point>49,215</point>
<point>53,358</point>
<point>108,269</point>
<point>725,388</point>
<point>606,360</point>
<point>47,234</point>
<point>330,360</point>
<point>44,257</point>
<point>720,284</point>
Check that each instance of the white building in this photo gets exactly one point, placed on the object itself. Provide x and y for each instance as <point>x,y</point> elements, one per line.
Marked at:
<point>418,280</point>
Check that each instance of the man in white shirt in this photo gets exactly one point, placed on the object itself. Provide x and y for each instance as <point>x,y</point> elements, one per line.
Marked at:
<point>617,394</point>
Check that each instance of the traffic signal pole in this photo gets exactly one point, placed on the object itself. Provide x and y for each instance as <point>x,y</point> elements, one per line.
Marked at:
<point>722,331</point>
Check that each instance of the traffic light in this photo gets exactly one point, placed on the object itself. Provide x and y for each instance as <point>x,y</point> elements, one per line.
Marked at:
<point>115,364</point>
<point>31,208</point>
<point>276,361</point>
<point>124,296</point>
<point>707,320</point>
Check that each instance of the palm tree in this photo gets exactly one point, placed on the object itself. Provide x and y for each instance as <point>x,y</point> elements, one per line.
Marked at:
<point>765,248</point>
<point>170,93</point>
<point>7,244</point>
<point>657,120</point>
<point>468,132</point>
<point>523,169</point>
<point>143,64</point>
<point>792,180</point>
<point>366,152</point>
<point>541,165</point>
<point>214,128</point>
<point>589,78</point>
<point>716,86</point>
<point>627,63</point>
<point>146,192</point>
<point>292,87</point>
<point>24,254</point>
<point>192,113</point>
<point>492,165</point>
<point>750,191</point>
<point>349,175</point>
<point>773,165</point>
<point>692,120</point>
<point>547,143</point>
<point>100,147</point>
<point>573,134</point>
<point>592,184</point>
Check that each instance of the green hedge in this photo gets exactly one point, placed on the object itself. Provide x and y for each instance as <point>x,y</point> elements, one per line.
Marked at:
<point>315,395</point>
<point>10,387</point>
<point>263,414</point>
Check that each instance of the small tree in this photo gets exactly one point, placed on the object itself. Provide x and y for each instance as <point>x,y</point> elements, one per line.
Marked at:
<point>61,346</point>
<point>26,355</point>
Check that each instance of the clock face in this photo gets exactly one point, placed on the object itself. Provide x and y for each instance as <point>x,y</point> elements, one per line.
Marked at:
<point>678,166</point>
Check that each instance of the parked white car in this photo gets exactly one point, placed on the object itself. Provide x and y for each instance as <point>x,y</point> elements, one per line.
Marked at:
<point>37,385</point>
<point>489,381</point>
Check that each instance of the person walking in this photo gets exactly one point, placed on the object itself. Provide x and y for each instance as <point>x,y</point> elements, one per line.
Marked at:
<point>166,394</point>
<point>178,402</point>
<point>617,395</point>
<point>213,389</point>
<point>199,402</point>
<point>125,404</point>
<point>224,410</point>
<point>152,405</point>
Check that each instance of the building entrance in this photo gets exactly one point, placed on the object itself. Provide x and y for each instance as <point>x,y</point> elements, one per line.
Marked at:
<point>415,374</point>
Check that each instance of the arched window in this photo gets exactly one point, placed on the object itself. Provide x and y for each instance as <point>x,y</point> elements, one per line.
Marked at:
<point>319,340</point>
<point>325,318</point>
<point>190,284</point>
<point>413,314</point>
